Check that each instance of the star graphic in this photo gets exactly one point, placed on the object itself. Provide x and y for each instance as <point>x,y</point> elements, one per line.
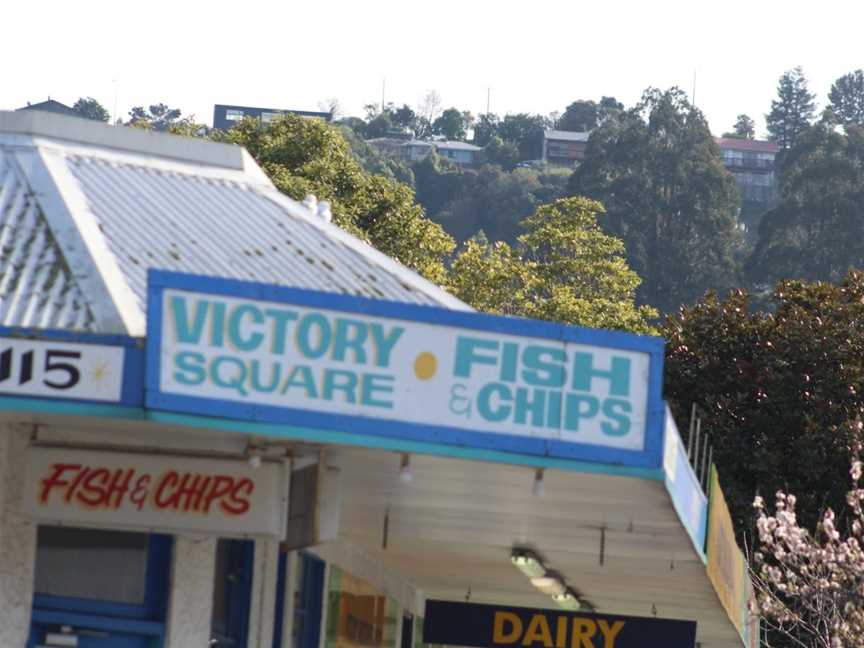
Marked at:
<point>99,372</point>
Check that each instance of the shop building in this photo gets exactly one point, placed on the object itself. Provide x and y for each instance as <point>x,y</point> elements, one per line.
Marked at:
<point>227,422</point>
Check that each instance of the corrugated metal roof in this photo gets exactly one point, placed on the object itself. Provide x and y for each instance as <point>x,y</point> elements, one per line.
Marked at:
<point>569,136</point>
<point>188,223</point>
<point>87,209</point>
<point>742,144</point>
<point>37,288</point>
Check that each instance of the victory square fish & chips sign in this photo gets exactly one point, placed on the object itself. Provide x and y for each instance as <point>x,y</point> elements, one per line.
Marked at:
<point>254,352</point>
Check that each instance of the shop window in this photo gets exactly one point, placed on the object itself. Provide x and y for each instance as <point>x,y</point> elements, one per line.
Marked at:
<point>232,592</point>
<point>358,614</point>
<point>308,597</point>
<point>91,564</point>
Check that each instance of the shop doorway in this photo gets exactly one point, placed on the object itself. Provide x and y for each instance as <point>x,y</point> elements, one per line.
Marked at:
<point>232,593</point>
<point>106,588</point>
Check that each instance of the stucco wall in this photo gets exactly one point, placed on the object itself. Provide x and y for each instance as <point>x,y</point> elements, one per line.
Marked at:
<point>17,542</point>
<point>191,598</point>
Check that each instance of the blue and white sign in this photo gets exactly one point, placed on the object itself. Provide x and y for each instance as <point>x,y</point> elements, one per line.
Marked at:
<point>71,366</point>
<point>264,353</point>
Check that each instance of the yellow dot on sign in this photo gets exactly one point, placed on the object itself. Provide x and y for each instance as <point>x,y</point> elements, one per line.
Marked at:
<point>425,365</point>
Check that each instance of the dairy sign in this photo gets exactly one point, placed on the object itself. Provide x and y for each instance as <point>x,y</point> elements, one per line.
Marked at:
<point>174,494</point>
<point>317,360</point>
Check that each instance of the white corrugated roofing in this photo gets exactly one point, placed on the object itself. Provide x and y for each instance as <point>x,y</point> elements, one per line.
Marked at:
<point>94,206</point>
<point>569,136</point>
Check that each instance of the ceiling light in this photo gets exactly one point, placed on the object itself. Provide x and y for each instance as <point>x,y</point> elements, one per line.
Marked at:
<point>528,563</point>
<point>550,584</point>
<point>567,601</point>
<point>405,473</point>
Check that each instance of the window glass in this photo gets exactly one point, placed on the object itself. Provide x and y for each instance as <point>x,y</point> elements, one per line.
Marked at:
<point>233,115</point>
<point>91,564</point>
<point>357,614</point>
<point>268,116</point>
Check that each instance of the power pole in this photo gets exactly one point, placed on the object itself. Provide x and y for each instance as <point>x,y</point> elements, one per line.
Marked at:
<point>383,93</point>
<point>488,95</point>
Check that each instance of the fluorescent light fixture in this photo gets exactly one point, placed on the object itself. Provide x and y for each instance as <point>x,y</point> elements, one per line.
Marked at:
<point>528,563</point>
<point>568,600</point>
<point>550,584</point>
<point>405,474</point>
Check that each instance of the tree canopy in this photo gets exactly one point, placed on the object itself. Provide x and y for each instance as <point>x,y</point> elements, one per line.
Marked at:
<point>777,391</point>
<point>793,111</point>
<point>584,115</point>
<point>744,128</point>
<point>308,156</point>
<point>815,231</point>
<point>89,108</point>
<point>157,116</point>
<point>658,172</point>
<point>846,99</point>
<point>453,124</point>
<point>564,269</point>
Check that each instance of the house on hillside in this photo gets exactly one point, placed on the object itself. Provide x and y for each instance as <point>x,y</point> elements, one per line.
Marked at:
<point>460,153</point>
<point>225,117</point>
<point>53,107</point>
<point>752,163</point>
<point>564,147</point>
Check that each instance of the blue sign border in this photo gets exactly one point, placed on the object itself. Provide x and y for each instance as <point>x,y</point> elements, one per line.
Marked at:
<point>132,389</point>
<point>159,280</point>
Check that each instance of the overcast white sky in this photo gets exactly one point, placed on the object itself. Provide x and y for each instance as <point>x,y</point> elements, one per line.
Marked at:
<point>536,56</point>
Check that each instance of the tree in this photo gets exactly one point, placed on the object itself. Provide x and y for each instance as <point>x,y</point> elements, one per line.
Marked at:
<point>658,172</point>
<point>307,156</point>
<point>89,108</point>
<point>846,99</point>
<point>744,128</point>
<point>776,390</point>
<point>504,154</point>
<point>486,129</point>
<point>404,118</point>
<point>453,124</point>
<point>526,132</point>
<point>157,117</point>
<point>579,116</point>
<point>565,269</point>
<point>810,587</point>
<point>815,230</point>
<point>793,111</point>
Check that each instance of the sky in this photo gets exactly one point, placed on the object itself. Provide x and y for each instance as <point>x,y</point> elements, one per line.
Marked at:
<point>535,56</point>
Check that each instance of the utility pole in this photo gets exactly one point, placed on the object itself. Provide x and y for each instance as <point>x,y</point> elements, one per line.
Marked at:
<point>383,93</point>
<point>488,95</point>
<point>693,96</point>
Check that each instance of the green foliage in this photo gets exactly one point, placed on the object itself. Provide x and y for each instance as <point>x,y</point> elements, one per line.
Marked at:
<point>376,162</point>
<point>815,231</point>
<point>744,128</point>
<point>583,115</point>
<point>156,117</point>
<point>658,172</point>
<point>496,201</point>
<point>846,99</point>
<point>777,392</point>
<point>438,182</point>
<point>89,108</point>
<point>453,124</point>
<point>526,132</point>
<point>504,154</point>
<point>565,269</point>
<point>486,129</point>
<point>308,156</point>
<point>793,111</point>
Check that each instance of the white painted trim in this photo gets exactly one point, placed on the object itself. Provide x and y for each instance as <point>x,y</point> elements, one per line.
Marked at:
<point>262,609</point>
<point>292,564</point>
<point>85,251</point>
<point>190,603</point>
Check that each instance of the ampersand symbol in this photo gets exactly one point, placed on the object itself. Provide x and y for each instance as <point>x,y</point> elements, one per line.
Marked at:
<point>139,493</point>
<point>460,404</point>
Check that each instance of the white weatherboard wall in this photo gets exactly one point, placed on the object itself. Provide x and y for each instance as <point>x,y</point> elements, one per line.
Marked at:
<point>17,542</point>
<point>191,599</point>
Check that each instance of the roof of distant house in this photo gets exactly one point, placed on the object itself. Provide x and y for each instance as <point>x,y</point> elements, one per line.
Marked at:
<point>741,144</point>
<point>326,116</point>
<point>52,106</point>
<point>447,145</point>
<point>569,136</point>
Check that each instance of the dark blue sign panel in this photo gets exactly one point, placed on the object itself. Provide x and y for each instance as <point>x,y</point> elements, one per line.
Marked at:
<point>256,352</point>
<point>494,626</point>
